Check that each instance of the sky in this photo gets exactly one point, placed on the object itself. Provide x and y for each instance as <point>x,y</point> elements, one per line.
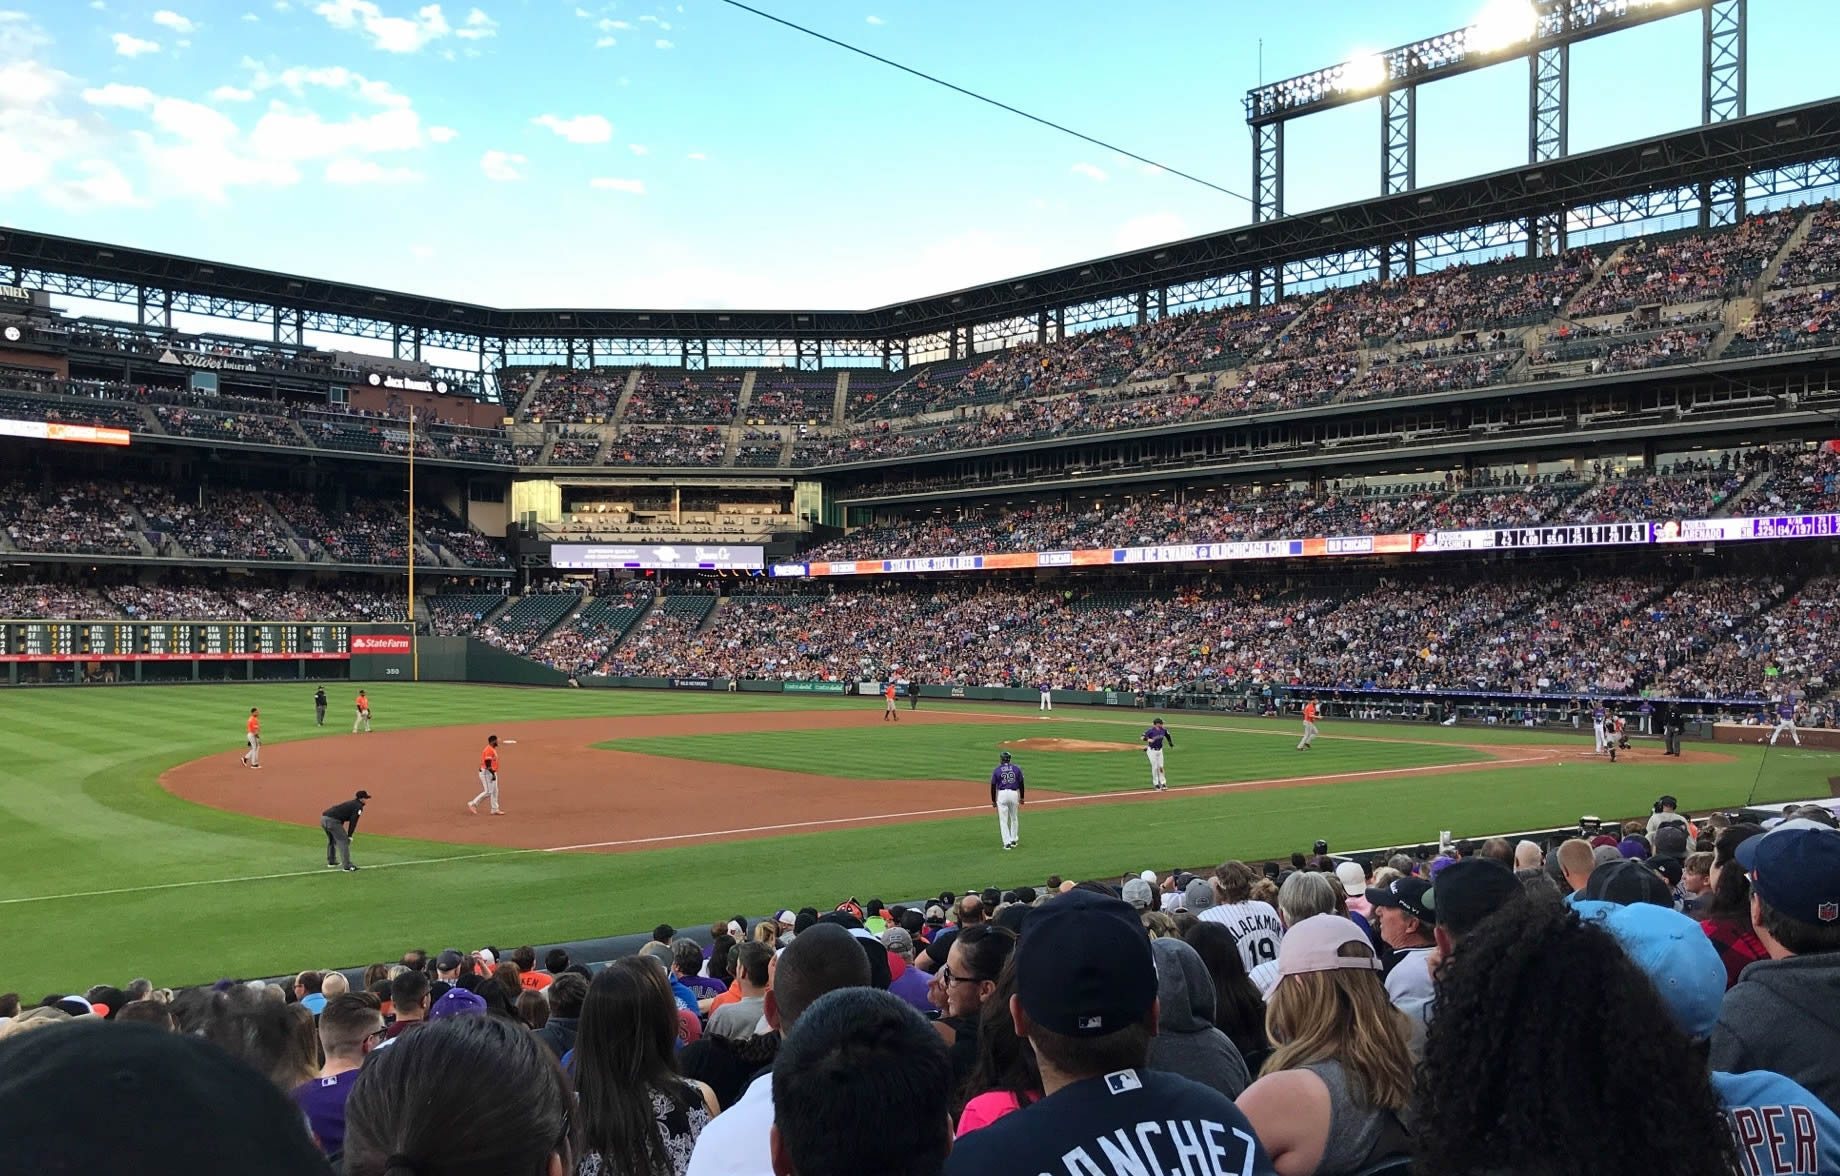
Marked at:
<point>684,153</point>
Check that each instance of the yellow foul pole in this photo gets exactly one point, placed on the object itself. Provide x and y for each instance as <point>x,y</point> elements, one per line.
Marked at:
<point>415,649</point>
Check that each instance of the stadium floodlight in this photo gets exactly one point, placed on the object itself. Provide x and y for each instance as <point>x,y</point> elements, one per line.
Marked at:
<point>1504,29</point>
<point>1504,23</point>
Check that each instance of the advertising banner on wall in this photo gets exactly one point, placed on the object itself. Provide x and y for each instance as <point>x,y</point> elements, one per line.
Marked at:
<point>657,557</point>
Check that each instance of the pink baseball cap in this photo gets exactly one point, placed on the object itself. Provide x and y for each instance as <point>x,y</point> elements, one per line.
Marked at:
<point>1313,944</point>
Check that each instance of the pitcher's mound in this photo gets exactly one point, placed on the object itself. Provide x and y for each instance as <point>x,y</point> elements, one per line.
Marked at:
<point>1066,745</point>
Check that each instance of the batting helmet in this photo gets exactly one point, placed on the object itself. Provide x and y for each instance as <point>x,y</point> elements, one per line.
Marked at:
<point>1005,757</point>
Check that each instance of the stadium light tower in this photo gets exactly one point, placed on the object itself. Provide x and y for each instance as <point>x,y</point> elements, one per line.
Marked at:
<point>1542,31</point>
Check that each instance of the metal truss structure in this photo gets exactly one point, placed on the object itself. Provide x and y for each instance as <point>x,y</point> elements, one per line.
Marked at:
<point>1772,156</point>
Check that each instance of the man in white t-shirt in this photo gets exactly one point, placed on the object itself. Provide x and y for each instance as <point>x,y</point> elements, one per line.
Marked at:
<point>1255,925</point>
<point>824,959</point>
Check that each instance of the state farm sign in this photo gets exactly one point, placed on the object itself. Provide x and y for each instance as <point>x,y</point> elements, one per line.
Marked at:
<point>379,643</point>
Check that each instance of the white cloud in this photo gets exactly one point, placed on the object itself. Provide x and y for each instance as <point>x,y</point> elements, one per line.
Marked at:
<point>478,26</point>
<point>697,155</point>
<point>605,43</point>
<point>251,17</point>
<point>615,184</point>
<point>366,171</point>
<point>501,166</point>
<point>613,26</point>
<point>296,80</point>
<point>166,18</point>
<point>1155,228</point>
<point>283,6</point>
<point>638,149</point>
<point>129,45</point>
<point>442,134</point>
<point>1090,171</point>
<point>119,96</point>
<point>583,128</point>
<point>663,44</point>
<point>98,5</point>
<point>584,14</point>
<point>663,25</point>
<point>231,94</point>
<point>875,20</point>
<point>102,186</point>
<point>392,34</point>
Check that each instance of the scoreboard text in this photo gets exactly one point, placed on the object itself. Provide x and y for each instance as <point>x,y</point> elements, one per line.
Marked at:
<point>59,641</point>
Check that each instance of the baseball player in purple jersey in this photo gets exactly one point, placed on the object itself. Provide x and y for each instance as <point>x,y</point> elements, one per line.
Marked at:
<point>1006,798</point>
<point>1047,695</point>
<point>1597,727</point>
<point>1785,721</point>
<point>1154,739</point>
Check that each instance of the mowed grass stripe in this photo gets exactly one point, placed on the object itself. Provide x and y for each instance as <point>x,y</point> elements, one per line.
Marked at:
<point>91,821</point>
<point>888,751</point>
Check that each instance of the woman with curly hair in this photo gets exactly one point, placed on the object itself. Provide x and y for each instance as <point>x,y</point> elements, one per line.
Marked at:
<point>1728,916</point>
<point>1334,1093</point>
<point>1516,1077</point>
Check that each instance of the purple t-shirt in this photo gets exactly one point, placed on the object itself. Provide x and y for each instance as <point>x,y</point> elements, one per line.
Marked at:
<point>910,986</point>
<point>323,1101</point>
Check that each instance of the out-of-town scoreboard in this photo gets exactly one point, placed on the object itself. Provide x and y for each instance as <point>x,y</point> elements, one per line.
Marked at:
<point>59,641</point>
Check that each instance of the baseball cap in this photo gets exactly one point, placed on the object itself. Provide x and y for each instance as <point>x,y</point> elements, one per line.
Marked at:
<point>1671,869</point>
<point>1797,871</point>
<point>1314,945</point>
<point>1628,881</point>
<point>1603,839</point>
<point>1197,896</point>
<point>448,960</point>
<point>1671,840</point>
<point>1629,847</point>
<point>1469,891</point>
<point>157,1087</point>
<point>1137,893</point>
<point>1149,876</point>
<point>1083,966</point>
<point>898,940</point>
<point>363,795</point>
<point>1353,878</point>
<point>1675,954</point>
<point>1407,894</point>
<point>786,919</point>
<point>457,1002</point>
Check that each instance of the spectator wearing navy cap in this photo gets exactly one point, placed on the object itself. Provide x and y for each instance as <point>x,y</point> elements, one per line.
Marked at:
<point>1086,1000</point>
<point>1784,1012</point>
<point>1627,881</point>
<point>1466,893</point>
<point>1406,920</point>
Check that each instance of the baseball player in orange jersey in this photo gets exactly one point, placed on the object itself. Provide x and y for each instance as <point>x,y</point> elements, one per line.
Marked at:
<point>889,712</point>
<point>253,757</point>
<point>488,777</point>
<point>363,719</point>
<point>1309,725</point>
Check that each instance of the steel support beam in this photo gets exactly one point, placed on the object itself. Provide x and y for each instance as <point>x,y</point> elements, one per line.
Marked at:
<point>155,308</point>
<point>696,355</point>
<point>1399,141</point>
<point>809,354</point>
<point>1268,198</point>
<point>1548,130</point>
<point>1722,99</point>
<point>287,327</point>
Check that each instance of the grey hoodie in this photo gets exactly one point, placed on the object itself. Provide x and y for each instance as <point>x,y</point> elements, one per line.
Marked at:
<point>1784,1015</point>
<point>1186,1042</point>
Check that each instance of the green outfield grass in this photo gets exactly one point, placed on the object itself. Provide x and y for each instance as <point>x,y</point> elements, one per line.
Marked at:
<point>968,751</point>
<point>104,876</point>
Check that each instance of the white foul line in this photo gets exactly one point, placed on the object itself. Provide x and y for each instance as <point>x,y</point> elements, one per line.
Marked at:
<point>1193,790</point>
<point>462,857</point>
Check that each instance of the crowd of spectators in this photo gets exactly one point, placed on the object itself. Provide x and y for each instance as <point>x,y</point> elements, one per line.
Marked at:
<point>86,517</point>
<point>569,395</point>
<point>648,446</point>
<point>791,398</point>
<point>217,524</point>
<point>575,447</point>
<point>1670,270</point>
<point>681,398</point>
<point>1790,322</point>
<point>1316,1017</point>
<point>759,447</point>
<point>1816,260</point>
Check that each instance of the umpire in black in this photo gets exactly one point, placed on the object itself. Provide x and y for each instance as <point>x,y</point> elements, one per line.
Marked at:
<point>1670,716</point>
<point>340,822</point>
<point>319,707</point>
